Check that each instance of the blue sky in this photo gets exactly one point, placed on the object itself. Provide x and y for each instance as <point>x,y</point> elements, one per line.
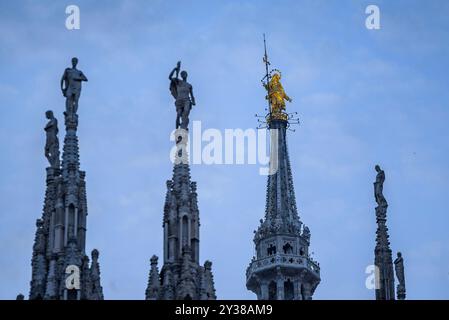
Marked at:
<point>364,97</point>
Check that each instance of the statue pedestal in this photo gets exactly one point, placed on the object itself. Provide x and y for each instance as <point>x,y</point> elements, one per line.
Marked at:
<point>53,172</point>
<point>181,140</point>
<point>400,292</point>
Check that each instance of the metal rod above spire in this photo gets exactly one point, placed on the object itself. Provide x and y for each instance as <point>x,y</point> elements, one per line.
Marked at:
<point>267,74</point>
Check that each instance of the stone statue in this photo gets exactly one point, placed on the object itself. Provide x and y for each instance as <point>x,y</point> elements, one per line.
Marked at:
<point>276,94</point>
<point>71,87</point>
<point>399,270</point>
<point>306,233</point>
<point>379,186</point>
<point>182,91</point>
<point>52,142</point>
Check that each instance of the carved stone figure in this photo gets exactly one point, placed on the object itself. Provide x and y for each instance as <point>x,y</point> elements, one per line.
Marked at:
<point>52,141</point>
<point>379,186</point>
<point>306,233</point>
<point>399,270</point>
<point>182,91</point>
<point>71,87</point>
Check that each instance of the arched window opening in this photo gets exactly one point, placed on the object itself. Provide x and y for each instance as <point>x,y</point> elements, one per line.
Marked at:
<point>271,250</point>
<point>288,249</point>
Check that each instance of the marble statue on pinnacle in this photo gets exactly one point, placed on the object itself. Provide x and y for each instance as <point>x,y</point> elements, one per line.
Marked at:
<point>52,141</point>
<point>182,91</point>
<point>71,87</point>
<point>379,186</point>
<point>399,269</point>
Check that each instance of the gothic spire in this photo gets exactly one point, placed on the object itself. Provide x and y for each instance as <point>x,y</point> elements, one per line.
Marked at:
<point>70,158</point>
<point>281,213</point>
<point>383,259</point>
<point>282,268</point>
<point>152,291</point>
<point>96,290</point>
<point>61,233</point>
<point>181,276</point>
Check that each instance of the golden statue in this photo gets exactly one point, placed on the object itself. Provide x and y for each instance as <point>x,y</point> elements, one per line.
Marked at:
<point>276,94</point>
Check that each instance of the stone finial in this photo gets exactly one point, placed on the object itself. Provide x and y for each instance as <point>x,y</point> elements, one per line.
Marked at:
<point>154,260</point>
<point>208,265</point>
<point>39,223</point>
<point>169,184</point>
<point>306,233</point>
<point>152,292</point>
<point>95,254</point>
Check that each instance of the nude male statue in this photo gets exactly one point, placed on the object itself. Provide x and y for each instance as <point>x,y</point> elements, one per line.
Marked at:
<point>182,91</point>
<point>71,87</point>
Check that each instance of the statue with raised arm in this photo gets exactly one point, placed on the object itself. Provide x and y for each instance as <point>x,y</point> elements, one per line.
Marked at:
<point>182,91</point>
<point>52,141</point>
<point>276,94</point>
<point>399,270</point>
<point>379,186</point>
<point>71,87</point>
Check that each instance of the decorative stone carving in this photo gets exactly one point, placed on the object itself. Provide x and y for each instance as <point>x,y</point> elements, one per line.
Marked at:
<point>52,141</point>
<point>399,269</point>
